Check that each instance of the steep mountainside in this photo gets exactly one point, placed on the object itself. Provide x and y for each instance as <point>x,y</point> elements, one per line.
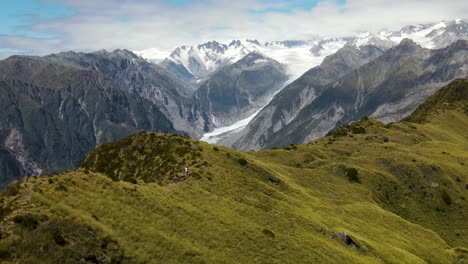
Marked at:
<point>10,167</point>
<point>388,88</point>
<point>53,115</point>
<point>453,96</point>
<point>139,78</point>
<point>288,103</point>
<point>367,193</point>
<point>240,89</point>
<point>173,94</point>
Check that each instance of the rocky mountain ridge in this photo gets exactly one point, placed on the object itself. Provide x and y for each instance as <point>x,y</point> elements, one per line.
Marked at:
<point>389,88</point>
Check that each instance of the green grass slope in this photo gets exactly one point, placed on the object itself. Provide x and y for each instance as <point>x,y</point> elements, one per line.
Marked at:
<point>399,191</point>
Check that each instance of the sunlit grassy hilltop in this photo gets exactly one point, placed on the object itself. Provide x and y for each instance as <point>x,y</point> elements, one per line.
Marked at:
<point>399,191</point>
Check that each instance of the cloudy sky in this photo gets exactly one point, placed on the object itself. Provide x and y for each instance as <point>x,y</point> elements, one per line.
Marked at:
<point>46,26</point>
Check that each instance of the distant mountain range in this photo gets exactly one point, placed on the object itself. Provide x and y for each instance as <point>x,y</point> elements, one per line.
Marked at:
<point>245,94</point>
<point>388,87</point>
<point>196,63</point>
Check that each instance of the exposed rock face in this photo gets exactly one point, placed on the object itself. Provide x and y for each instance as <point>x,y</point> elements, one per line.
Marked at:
<point>140,78</point>
<point>53,115</point>
<point>240,89</point>
<point>287,104</point>
<point>173,93</point>
<point>10,168</point>
<point>389,88</point>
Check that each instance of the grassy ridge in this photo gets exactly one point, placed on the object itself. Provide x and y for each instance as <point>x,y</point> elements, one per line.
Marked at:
<point>398,190</point>
<point>453,96</point>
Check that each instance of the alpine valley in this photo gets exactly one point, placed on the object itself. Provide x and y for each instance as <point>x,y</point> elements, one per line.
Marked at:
<point>327,150</point>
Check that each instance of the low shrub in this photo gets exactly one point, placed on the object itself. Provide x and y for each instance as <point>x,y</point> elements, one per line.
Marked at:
<point>290,147</point>
<point>339,132</point>
<point>196,175</point>
<point>242,161</point>
<point>446,198</point>
<point>268,233</point>
<point>353,175</point>
<point>358,130</point>
<point>28,221</point>
<point>61,187</point>
<point>13,189</point>
<point>133,180</point>
<point>58,238</point>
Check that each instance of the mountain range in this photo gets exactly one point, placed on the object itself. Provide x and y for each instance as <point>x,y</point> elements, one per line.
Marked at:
<point>198,62</point>
<point>53,115</point>
<point>245,94</point>
<point>388,87</point>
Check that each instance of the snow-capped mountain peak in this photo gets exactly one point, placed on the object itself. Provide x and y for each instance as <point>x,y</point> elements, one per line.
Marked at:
<point>203,60</point>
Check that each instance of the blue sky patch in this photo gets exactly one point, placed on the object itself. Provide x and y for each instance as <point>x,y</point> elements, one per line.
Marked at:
<point>16,17</point>
<point>177,2</point>
<point>289,6</point>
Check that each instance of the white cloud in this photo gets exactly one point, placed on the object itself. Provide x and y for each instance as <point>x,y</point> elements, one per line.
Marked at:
<point>137,25</point>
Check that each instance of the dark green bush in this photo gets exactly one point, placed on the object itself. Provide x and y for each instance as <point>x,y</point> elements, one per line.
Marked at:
<point>353,175</point>
<point>5,210</point>
<point>290,147</point>
<point>215,149</point>
<point>61,187</point>
<point>13,189</point>
<point>58,238</point>
<point>196,175</point>
<point>358,130</point>
<point>268,233</point>
<point>4,254</point>
<point>133,180</point>
<point>242,161</point>
<point>339,132</point>
<point>446,198</point>
<point>28,221</point>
